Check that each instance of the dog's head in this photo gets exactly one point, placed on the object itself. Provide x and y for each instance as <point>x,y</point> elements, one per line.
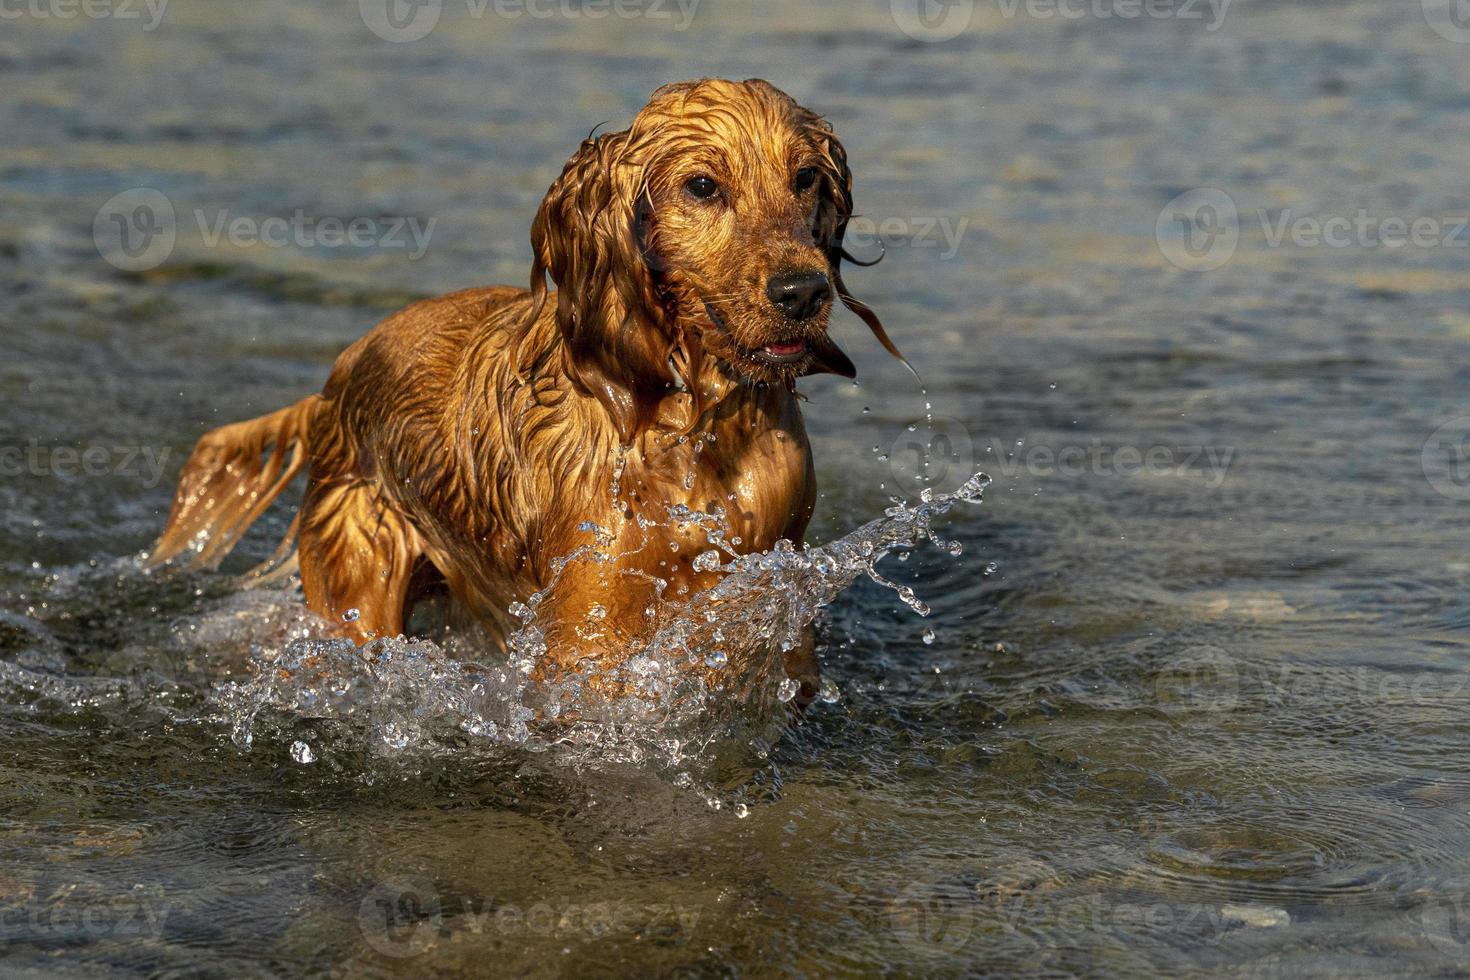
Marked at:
<point>710,228</point>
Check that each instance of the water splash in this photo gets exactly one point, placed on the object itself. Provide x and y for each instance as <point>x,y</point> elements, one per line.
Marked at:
<point>709,670</point>
<point>259,669</point>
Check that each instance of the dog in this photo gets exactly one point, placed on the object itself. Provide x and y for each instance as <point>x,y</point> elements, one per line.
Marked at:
<point>465,442</point>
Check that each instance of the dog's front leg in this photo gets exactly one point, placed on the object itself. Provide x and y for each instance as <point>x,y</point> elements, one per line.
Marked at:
<point>357,559</point>
<point>801,666</point>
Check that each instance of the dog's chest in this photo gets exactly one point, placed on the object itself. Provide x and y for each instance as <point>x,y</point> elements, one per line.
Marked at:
<point>753,474</point>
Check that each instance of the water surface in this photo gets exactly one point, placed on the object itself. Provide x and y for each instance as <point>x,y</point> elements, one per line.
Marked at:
<point>1207,713</point>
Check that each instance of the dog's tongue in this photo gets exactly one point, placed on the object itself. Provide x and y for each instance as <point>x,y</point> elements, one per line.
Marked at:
<point>785,350</point>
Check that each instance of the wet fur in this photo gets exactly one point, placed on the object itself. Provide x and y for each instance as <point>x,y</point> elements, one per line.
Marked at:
<point>464,440</point>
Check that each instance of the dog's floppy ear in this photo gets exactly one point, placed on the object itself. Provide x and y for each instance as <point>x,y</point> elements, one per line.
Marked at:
<point>834,210</point>
<point>586,239</point>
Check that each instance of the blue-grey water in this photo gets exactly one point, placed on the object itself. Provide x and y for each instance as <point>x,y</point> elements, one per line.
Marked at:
<point>1189,285</point>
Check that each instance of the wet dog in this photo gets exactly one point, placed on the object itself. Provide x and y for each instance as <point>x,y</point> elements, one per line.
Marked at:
<point>465,442</point>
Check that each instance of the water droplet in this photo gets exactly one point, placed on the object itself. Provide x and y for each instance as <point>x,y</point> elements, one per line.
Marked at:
<point>302,753</point>
<point>351,615</point>
<point>742,811</point>
<point>787,690</point>
<point>829,692</point>
<point>717,659</point>
<point>928,637</point>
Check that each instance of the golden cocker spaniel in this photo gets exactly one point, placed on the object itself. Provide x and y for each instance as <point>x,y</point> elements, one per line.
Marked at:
<point>466,441</point>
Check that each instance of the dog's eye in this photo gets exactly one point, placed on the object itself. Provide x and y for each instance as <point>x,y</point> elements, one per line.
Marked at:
<point>805,178</point>
<point>701,186</point>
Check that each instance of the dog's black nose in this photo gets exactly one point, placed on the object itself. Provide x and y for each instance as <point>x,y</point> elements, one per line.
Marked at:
<point>799,295</point>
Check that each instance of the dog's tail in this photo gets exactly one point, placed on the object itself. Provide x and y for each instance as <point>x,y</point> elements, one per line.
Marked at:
<point>233,475</point>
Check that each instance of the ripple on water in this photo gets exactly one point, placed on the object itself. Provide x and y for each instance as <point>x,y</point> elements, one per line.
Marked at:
<point>1348,854</point>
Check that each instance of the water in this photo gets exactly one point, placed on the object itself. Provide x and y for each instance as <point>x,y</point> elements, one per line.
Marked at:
<point>1196,696</point>
<point>652,709</point>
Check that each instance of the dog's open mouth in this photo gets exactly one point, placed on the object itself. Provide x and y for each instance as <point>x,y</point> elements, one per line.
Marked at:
<point>777,353</point>
<point>783,353</point>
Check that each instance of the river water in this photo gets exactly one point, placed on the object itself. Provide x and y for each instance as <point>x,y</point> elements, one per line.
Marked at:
<point>1188,285</point>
